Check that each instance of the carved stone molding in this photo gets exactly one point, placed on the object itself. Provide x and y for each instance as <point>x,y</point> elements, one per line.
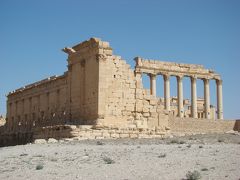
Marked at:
<point>68,50</point>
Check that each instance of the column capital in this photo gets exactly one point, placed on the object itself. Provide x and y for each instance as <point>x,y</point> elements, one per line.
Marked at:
<point>152,75</point>
<point>137,72</point>
<point>193,78</point>
<point>219,81</point>
<point>179,77</point>
<point>166,76</point>
<point>206,80</point>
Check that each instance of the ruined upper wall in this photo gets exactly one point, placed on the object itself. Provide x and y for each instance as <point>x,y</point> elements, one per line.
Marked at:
<point>173,69</point>
<point>43,82</point>
<point>86,49</point>
<point>83,78</point>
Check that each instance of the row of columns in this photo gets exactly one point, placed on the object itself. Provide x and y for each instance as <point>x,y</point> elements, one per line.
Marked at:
<point>167,99</point>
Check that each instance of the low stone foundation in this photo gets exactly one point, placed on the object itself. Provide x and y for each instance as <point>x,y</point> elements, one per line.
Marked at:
<point>87,132</point>
<point>79,132</point>
<point>196,126</point>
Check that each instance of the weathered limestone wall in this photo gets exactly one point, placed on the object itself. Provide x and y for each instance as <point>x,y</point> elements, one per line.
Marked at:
<point>83,78</point>
<point>191,125</point>
<point>38,104</point>
<point>122,100</point>
<point>101,89</point>
<point>86,132</point>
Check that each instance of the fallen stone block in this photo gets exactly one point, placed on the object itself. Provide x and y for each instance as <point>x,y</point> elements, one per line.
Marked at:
<point>40,141</point>
<point>52,140</point>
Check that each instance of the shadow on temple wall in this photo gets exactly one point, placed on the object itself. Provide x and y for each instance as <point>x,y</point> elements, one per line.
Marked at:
<point>13,139</point>
<point>57,131</point>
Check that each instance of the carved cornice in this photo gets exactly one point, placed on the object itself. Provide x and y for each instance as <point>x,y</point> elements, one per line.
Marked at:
<point>68,50</point>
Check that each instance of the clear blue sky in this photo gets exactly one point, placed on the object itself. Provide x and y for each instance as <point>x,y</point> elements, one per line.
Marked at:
<point>207,32</point>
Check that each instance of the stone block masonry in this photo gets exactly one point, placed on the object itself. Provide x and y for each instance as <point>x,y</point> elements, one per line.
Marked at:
<point>101,90</point>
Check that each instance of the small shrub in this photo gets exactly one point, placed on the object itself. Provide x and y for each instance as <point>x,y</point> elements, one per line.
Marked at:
<point>220,140</point>
<point>100,143</point>
<point>181,142</point>
<point>108,160</point>
<point>195,175</point>
<point>200,146</point>
<point>204,169</point>
<point>38,155</point>
<point>53,159</point>
<point>189,145</point>
<point>39,167</point>
<point>192,138</point>
<point>174,141</point>
<point>23,154</point>
<point>162,155</point>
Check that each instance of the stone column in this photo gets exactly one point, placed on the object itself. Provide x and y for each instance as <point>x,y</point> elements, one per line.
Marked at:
<point>219,99</point>
<point>167,92</point>
<point>180,96</point>
<point>194,97</point>
<point>152,84</point>
<point>206,98</point>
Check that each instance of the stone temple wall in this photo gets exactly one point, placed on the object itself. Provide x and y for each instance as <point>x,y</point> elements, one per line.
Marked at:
<point>100,89</point>
<point>123,100</point>
<point>39,104</point>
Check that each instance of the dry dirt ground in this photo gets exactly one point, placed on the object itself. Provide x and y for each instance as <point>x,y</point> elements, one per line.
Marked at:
<point>215,156</point>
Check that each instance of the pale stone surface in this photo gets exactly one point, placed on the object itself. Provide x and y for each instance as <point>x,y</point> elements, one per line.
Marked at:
<point>100,90</point>
<point>52,140</point>
<point>40,141</point>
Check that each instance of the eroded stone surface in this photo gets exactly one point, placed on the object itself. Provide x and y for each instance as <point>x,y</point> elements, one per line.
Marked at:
<point>100,89</point>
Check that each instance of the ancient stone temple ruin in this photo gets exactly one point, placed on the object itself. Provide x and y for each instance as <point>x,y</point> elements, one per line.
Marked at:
<point>100,89</point>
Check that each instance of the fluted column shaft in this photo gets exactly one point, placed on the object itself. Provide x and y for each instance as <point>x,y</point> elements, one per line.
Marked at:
<point>153,84</point>
<point>219,99</point>
<point>194,97</point>
<point>206,98</point>
<point>166,92</point>
<point>180,97</point>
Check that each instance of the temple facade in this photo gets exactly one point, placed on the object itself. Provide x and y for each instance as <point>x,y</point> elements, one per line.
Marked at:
<point>99,88</point>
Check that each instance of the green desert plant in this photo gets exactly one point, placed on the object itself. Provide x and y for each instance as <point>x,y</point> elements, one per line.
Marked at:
<point>204,169</point>
<point>181,142</point>
<point>220,140</point>
<point>39,167</point>
<point>174,141</point>
<point>23,154</point>
<point>162,155</point>
<point>189,145</point>
<point>108,160</point>
<point>100,143</point>
<point>195,175</point>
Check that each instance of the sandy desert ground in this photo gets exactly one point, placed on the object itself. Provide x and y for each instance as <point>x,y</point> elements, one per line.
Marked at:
<point>215,156</point>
